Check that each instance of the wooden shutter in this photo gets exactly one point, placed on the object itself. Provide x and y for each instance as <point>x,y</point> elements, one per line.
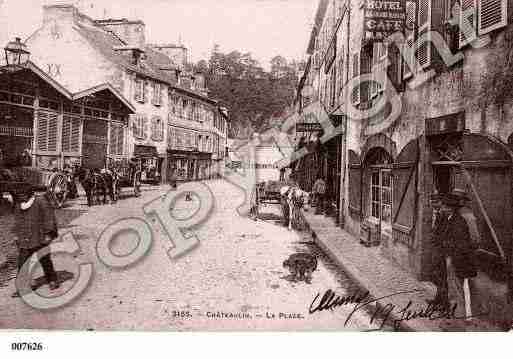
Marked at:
<point>492,15</point>
<point>355,185</point>
<point>411,8</point>
<point>467,34</point>
<point>404,205</point>
<point>116,139</point>
<point>424,23</point>
<point>71,130</point>
<point>355,96</point>
<point>375,59</point>
<point>47,131</point>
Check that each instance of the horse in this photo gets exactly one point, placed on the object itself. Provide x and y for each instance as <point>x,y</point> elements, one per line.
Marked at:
<point>97,185</point>
<point>293,199</point>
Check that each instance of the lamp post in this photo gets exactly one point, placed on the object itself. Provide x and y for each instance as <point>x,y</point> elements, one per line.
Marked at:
<point>16,55</point>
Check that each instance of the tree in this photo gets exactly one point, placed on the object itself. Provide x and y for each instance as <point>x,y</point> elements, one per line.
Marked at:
<point>255,97</point>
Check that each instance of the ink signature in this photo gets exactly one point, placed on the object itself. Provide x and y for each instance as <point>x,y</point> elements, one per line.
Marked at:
<point>382,314</point>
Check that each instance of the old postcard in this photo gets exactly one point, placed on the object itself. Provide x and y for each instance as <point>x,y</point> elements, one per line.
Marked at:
<point>257,165</point>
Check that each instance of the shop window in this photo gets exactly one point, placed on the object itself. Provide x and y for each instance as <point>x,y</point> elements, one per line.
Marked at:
<point>381,196</point>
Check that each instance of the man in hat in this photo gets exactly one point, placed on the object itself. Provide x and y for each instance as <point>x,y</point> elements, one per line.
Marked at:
<point>439,274</point>
<point>35,228</point>
<point>459,251</point>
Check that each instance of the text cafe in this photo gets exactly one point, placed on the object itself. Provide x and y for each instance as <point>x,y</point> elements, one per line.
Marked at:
<point>382,18</point>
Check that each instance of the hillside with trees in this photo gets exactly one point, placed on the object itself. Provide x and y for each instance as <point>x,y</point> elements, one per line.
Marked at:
<point>255,97</point>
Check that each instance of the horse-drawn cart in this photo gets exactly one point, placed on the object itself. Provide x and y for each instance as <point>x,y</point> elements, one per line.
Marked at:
<point>266,193</point>
<point>126,174</point>
<point>16,179</point>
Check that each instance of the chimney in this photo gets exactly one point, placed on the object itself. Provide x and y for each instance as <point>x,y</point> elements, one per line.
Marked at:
<point>177,53</point>
<point>62,14</point>
<point>132,32</point>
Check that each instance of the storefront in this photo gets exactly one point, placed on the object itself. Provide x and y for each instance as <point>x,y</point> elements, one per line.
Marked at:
<point>151,163</point>
<point>188,166</point>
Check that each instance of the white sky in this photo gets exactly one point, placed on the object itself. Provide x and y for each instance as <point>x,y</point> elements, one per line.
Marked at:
<point>263,27</point>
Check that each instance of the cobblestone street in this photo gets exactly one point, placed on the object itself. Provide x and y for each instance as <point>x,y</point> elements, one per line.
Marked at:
<point>236,269</point>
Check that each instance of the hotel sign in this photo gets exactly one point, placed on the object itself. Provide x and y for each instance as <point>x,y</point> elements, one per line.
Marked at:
<point>382,18</point>
<point>308,127</point>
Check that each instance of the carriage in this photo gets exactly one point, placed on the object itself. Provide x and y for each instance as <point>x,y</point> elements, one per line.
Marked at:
<point>127,174</point>
<point>266,193</point>
<point>15,179</point>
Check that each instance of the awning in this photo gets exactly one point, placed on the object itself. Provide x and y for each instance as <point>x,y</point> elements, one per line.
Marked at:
<point>145,151</point>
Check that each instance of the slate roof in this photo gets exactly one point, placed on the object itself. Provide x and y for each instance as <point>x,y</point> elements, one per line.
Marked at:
<point>106,43</point>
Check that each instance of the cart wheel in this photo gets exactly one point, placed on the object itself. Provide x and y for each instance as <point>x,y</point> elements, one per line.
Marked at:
<point>58,190</point>
<point>137,185</point>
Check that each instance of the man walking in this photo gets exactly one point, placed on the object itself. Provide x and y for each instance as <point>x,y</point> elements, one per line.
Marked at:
<point>35,228</point>
<point>459,251</point>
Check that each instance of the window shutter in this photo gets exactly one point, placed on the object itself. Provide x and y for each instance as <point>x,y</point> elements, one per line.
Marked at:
<point>404,193</point>
<point>492,15</point>
<point>116,139</point>
<point>71,127</point>
<point>355,185</point>
<point>467,33</point>
<point>144,90</point>
<point>145,127</point>
<point>375,57</point>
<point>47,131</point>
<point>411,8</point>
<point>424,51</point>
<point>355,96</point>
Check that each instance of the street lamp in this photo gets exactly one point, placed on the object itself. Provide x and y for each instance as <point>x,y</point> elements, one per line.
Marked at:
<point>16,53</point>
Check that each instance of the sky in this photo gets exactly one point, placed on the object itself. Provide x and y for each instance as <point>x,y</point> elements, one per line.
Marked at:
<point>265,28</point>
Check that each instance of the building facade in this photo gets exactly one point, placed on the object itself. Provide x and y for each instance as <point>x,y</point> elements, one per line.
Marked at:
<point>79,52</point>
<point>439,117</point>
<point>41,120</point>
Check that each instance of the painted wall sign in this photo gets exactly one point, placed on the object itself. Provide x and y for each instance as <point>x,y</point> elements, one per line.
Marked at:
<point>383,18</point>
<point>54,70</point>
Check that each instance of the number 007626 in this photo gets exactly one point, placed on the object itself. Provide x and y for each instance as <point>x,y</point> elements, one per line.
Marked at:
<point>27,346</point>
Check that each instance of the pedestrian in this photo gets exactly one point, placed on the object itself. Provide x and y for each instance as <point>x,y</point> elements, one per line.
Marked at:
<point>459,251</point>
<point>35,228</point>
<point>439,274</point>
<point>319,191</point>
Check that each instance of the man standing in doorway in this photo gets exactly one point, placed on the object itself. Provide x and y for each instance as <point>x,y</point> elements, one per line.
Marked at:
<point>439,272</point>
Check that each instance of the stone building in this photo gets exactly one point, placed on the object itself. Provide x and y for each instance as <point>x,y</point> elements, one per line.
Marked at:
<point>80,52</point>
<point>416,126</point>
